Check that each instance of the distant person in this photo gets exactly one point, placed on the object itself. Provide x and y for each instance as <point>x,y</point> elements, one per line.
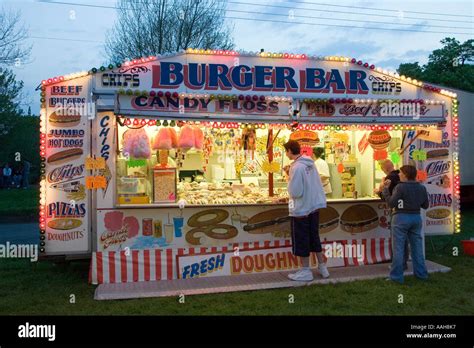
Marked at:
<point>286,172</point>
<point>306,198</point>
<point>406,200</point>
<point>26,174</point>
<point>17,176</point>
<point>323,169</point>
<point>7,176</point>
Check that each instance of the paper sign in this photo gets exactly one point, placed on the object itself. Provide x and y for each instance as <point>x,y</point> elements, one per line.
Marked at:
<point>395,157</point>
<point>419,155</point>
<point>95,163</point>
<point>340,168</point>
<point>305,135</point>
<point>421,175</point>
<point>96,182</point>
<point>380,155</point>
<point>100,163</point>
<point>430,134</point>
<point>89,163</point>
<point>363,144</point>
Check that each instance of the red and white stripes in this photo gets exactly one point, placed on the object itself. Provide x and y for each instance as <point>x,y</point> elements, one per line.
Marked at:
<point>375,250</point>
<point>160,264</point>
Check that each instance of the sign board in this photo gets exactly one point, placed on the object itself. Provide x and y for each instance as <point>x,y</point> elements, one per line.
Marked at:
<point>251,261</point>
<point>430,134</point>
<point>67,208</point>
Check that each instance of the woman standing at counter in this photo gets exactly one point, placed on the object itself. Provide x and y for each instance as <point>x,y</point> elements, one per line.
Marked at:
<point>406,200</point>
<point>323,169</point>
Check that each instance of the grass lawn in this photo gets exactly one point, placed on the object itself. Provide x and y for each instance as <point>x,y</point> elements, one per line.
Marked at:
<point>45,289</point>
<point>19,202</point>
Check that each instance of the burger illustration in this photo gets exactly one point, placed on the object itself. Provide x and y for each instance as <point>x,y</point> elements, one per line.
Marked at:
<point>379,139</point>
<point>270,221</point>
<point>359,218</point>
<point>328,219</point>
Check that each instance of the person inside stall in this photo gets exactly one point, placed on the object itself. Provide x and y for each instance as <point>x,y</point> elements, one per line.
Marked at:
<point>323,169</point>
<point>393,177</point>
<point>391,174</point>
<point>286,172</point>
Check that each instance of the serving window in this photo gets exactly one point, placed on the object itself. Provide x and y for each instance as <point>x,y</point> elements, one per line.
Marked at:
<point>224,163</point>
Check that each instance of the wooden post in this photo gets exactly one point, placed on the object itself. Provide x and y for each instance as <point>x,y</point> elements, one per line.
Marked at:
<point>270,160</point>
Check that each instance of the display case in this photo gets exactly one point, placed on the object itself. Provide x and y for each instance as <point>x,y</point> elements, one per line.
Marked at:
<point>164,185</point>
<point>132,190</point>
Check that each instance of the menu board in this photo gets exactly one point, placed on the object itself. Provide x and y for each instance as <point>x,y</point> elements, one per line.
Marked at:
<point>67,146</point>
<point>164,185</point>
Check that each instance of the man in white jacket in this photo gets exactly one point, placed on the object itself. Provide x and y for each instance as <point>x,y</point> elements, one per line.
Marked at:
<point>306,198</point>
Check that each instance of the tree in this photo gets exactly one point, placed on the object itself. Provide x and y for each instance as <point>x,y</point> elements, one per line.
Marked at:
<point>414,70</point>
<point>449,66</point>
<point>10,91</point>
<point>149,27</point>
<point>12,35</point>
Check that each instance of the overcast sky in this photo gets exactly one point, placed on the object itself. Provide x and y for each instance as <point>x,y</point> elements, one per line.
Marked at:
<point>48,22</point>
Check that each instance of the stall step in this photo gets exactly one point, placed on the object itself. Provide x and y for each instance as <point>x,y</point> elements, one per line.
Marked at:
<point>243,282</point>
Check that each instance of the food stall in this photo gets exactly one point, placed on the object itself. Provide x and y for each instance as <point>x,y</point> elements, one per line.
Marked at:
<point>173,166</point>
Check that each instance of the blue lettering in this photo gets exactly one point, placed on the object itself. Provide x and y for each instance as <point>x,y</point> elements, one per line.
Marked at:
<point>313,75</point>
<point>211,264</point>
<point>218,74</point>
<point>167,70</point>
<point>203,267</point>
<point>185,272</point>
<point>220,261</point>
<point>260,73</point>
<point>356,78</point>
<point>335,78</point>
<point>237,76</point>
<point>194,73</point>
<point>194,270</point>
<point>141,101</point>
<point>104,121</point>
<point>282,80</point>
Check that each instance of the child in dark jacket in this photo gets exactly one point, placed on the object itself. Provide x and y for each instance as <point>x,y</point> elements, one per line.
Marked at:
<point>406,200</point>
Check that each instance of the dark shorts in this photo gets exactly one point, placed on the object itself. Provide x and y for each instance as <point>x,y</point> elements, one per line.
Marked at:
<point>305,234</point>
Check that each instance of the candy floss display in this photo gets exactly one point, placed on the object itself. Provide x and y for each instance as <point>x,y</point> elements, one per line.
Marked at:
<point>173,166</point>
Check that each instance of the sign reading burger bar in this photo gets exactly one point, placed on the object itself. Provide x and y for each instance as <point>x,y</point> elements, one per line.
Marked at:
<point>67,147</point>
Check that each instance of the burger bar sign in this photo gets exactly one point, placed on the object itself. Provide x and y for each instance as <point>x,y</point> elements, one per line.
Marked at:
<point>212,77</point>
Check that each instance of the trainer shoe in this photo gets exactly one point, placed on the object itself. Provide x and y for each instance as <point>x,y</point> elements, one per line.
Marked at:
<point>303,275</point>
<point>323,270</point>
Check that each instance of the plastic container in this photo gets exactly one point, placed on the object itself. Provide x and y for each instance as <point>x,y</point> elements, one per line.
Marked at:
<point>468,246</point>
<point>131,185</point>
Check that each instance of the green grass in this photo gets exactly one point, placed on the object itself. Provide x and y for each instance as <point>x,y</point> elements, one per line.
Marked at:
<point>45,289</point>
<point>19,202</point>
